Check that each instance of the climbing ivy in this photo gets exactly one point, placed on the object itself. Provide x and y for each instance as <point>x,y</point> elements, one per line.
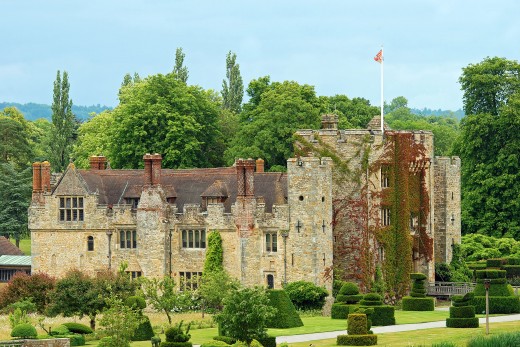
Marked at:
<point>214,253</point>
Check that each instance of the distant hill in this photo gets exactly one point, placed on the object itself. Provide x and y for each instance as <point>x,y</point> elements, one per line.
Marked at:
<point>459,114</point>
<point>32,111</point>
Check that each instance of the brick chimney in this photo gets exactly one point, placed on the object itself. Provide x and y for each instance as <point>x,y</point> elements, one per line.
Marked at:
<point>245,177</point>
<point>37,177</point>
<point>94,162</point>
<point>102,162</point>
<point>152,169</point>
<point>259,165</point>
<point>46,176</point>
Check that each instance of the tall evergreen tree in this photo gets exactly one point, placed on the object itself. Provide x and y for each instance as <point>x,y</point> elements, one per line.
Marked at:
<point>64,123</point>
<point>180,70</point>
<point>232,86</point>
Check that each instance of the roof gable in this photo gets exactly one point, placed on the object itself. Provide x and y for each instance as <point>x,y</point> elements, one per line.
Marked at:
<point>7,248</point>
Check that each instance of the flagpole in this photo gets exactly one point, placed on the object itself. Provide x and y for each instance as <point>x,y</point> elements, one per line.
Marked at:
<point>382,99</point>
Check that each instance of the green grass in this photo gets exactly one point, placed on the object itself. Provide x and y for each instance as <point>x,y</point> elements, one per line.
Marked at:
<point>25,245</point>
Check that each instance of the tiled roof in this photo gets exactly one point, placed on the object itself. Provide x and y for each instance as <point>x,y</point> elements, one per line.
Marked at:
<point>7,248</point>
<point>186,185</point>
<point>15,260</point>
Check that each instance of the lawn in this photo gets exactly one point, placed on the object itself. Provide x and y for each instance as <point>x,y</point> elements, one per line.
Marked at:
<point>25,245</point>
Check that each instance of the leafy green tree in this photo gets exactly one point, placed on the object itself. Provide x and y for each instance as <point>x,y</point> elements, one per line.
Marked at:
<point>488,85</point>
<point>271,117</point>
<point>215,286</point>
<point>15,147</point>
<point>179,70</point>
<point>41,138</point>
<point>163,295</point>
<point>478,247</point>
<point>352,113</point>
<point>15,197</point>
<point>120,322</point>
<point>245,314</point>
<point>232,86</point>
<point>36,287</point>
<point>214,253</point>
<point>163,115</point>
<point>489,147</point>
<point>306,295</point>
<point>64,122</point>
<point>93,138</point>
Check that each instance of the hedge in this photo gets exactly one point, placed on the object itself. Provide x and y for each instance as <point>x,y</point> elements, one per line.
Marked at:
<point>176,344</point>
<point>462,312</point>
<point>513,261</point>
<point>78,328</point>
<point>494,290</point>
<point>418,304</point>
<point>491,273</point>
<point>24,331</point>
<point>462,322</point>
<point>512,270</point>
<point>268,341</point>
<point>356,340</point>
<point>60,330</point>
<point>492,280</point>
<point>383,315</point>
<point>227,339</point>
<point>371,299</point>
<point>341,311</point>
<point>286,315</point>
<point>495,262</point>
<point>349,299</point>
<point>497,304</point>
<point>417,276</point>
<point>357,324</point>
<point>214,343</point>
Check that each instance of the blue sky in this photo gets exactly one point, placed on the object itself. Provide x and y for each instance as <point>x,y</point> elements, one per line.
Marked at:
<point>327,44</point>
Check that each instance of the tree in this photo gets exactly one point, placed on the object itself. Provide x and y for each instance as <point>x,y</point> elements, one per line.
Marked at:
<point>36,287</point>
<point>163,115</point>
<point>93,138</point>
<point>179,70</point>
<point>15,197</point>
<point>120,322</point>
<point>14,138</point>
<point>64,123</point>
<point>214,253</point>
<point>163,295</point>
<point>271,117</point>
<point>488,85</point>
<point>215,286</point>
<point>232,86</point>
<point>352,113</point>
<point>488,147</point>
<point>245,314</point>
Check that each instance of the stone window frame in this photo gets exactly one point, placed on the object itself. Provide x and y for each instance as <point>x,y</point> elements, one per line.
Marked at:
<point>385,176</point>
<point>90,243</point>
<point>126,242</point>
<point>271,241</point>
<point>269,280</point>
<point>189,280</point>
<point>71,208</point>
<point>134,274</point>
<point>385,216</point>
<point>193,238</point>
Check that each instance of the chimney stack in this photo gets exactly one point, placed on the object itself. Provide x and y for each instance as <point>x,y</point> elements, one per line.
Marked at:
<point>259,165</point>
<point>46,176</point>
<point>152,169</point>
<point>245,177</point>
<point>97,162</point>
<point>37,177</point>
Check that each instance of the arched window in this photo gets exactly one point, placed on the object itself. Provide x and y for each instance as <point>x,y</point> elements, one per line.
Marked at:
<point>270,281</point>
<point>90,243</point>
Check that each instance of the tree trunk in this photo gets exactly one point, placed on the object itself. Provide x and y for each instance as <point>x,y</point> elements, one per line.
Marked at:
<point>93,322</point>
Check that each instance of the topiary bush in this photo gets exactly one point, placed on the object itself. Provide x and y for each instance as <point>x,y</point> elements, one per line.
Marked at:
<point>144,331</point>
<point>462,313</point>
<point>341,311</point>
<point>78,328</point>
<point>349,294</point>
<point>60,330</point>
<point>417,301</point>
<point>24,331</point>
<point>228,340</point>
<point>267,341</point>
<point>286,315</point>
<point>136,302</point>
<point>214,343</point>
<point>306,295</point>
<point>383,314</point>
<point>358,333</point>
<point>502,298</point>
<point>176,337</point>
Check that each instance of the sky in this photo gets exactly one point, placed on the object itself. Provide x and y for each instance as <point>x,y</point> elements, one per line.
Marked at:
<point>327,44</point>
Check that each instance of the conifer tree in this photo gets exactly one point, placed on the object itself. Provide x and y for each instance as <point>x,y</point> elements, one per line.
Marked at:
<point>180,70</point>
<point>232,86</point>
<point>64,123</point>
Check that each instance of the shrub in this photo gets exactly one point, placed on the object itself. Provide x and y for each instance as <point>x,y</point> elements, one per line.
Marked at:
<point>286,315</point>
<point>136,302</point>
<point>349,288</point>
<point>155,340</point>
<point>176,334</point>
<point>356,340</point>
<point>418,304</point>
<point>495,262</point>
<point>513,261</point>
<point>268,341</point>
<point>336,286</point>
<point>491,273</point>
<point>462,312</point>
<point>462,322</point>
<point>214,343</point>
<point>341,311</point>
<point>60,330</point>
<point>512,270</point>
<point>417,276</point>
<point>349,299</point>
<point>357,324</point>
<point>371,299</point>
<point>144,331</point>
<point>78,328</point>
<point>76,340</point>
<point>383,315</point>
<point>306,295</point>
<point>499,340</point>
<point>105,342</point>
<point>37,286</point>
<point>176,344</point>
<point>459,300</point>
<point>497,304</point>
<point>24,331</point>
<point>228,340</point>
<point>254,343</point>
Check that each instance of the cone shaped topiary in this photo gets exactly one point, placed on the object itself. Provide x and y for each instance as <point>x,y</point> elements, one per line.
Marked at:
<point>286,315</point>
<point>417,301</point>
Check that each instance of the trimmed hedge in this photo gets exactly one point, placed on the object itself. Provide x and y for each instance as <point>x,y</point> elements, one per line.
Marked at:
<point>286,315</point>
<point>268,341</point>
<point>495,262</point>
<point>176,344</point>
<point>418,304</point>
<point>78,328</point>
<point>144,331</point>
<point>462,322</point>
<point>24,331</point>
<point>512,270</point>
<point>371,299</point>
<point>349,299</point>
<point>383,315</point>
<point>357,324</point>
<point>356,340</point>
<point>493,280</point>
<point>227,339</point>
<point>491,273</point>
<point>497,304</point>
<point>341,311</point>
<point>513,261</point>
<point>60,330</point>
<point>417,276</point>
<point>459,300</point>
<point>494,290</point>
<point>214,343</point>
<point>462,312</point>
<point>349,288</point>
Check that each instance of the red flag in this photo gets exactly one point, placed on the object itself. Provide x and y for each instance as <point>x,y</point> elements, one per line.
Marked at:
<point>379,56</point>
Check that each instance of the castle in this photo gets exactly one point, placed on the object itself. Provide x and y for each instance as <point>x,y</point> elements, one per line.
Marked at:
<point>276,227</point>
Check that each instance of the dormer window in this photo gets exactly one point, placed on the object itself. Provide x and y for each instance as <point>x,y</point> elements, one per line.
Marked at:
<point>71,209</point>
